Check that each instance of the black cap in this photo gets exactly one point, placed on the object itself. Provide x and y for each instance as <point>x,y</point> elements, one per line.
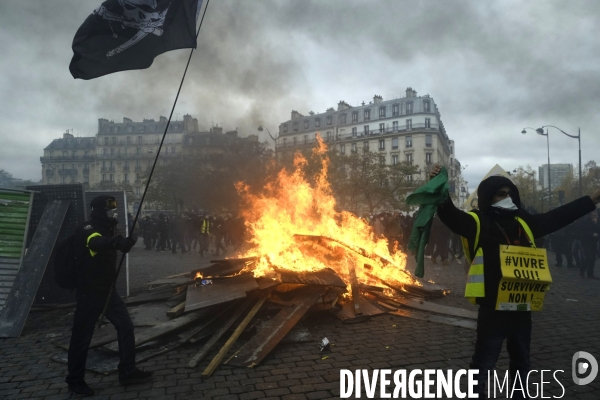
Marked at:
<point>488,188</point>
<point>103,202</point>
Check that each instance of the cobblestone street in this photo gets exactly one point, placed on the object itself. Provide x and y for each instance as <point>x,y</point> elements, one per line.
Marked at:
<point>569,323</point>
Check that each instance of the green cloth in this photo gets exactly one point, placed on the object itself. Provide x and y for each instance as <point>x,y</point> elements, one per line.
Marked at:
<point>428,197</point>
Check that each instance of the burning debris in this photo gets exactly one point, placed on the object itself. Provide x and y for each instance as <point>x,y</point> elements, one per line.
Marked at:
<point>305,256</point>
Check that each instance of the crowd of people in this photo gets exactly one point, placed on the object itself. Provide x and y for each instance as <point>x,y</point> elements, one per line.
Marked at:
<point>204,232</point>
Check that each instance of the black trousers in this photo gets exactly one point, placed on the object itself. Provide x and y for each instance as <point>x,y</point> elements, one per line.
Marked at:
<point>88,310</point>
<point>492,328</point>
<point>588,262</point>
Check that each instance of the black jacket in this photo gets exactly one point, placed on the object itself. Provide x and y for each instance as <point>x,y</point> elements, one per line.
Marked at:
<point>99,270</point>
<point>491,236</point>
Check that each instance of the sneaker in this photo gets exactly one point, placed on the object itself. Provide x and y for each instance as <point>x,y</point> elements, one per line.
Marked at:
<point>81,389</point>
<point>136,377</point>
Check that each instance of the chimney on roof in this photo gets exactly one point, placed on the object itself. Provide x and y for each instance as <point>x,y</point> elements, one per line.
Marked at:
<point>101,123</point>
<point>377,99</point>
<point>296,115</point>
<point>342,105</point>
<point>216,129</point>
<point>410,92</point>
<point>127,120</point>
<point>163,120</point>
<point>67,135</point>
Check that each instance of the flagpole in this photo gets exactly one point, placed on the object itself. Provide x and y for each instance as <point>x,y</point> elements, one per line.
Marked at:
<point>137,214</point>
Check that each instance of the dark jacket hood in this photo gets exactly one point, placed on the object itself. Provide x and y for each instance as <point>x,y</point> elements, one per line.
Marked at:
<point>488,187</point>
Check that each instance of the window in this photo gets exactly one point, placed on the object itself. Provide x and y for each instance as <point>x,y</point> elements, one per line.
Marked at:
<point>409,107</point>
<point>428,141</point>
<point>317,122</point>
<point>284,141</point>
<point>382,112</point>
<point>427,106</point>
<point>343,119</point>
<point>128,140</point>
<point>367,115</point>
<point>343,148</point>
<point>138,151</point>
<point>142,128</point>
<point>451,150</point>
<point>103,177</point>
<point>355,116</point>
<point>409,158</point>
<point>284,128</point>
<point>137,190</point>
<point>395,110</point>
<point>428,157</point>
<point>409,124</point>
<point>395,159</point>
<point>354,132</point>
<point>306,124</point>
<point>305,139</point>
<point>139,140</point>
<point>395,126</point>
<point>112,151</point>
<point>366,146</point>
<point>382,160</point>
<point>329,136</point>
<point>381,128</point>
<point>106,141</point>
<point>381,144</point>
<point>329,119</point>
<point>114,140</point>
<point>408,141</point>
<point>354,147</point>
<point>126,178</point>
<point>409,178</point>
<point>86,179</point>
<point>366,129</point>
<point>172,150</point>
<point>125,150</point>
<point>294,140</point>
<point>427,122</point>
<point>104,152</point>
<point>394,143</point>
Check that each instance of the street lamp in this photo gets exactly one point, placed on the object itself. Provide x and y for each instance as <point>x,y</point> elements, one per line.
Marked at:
<point>578,137</point>
<point>261,128</point>
<point>540,131</point>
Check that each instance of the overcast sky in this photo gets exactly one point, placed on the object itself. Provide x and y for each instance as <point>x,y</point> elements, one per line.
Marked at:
<point>492,67</point>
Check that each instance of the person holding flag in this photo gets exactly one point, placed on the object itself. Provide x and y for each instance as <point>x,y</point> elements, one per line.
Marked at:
<point>500,223</point>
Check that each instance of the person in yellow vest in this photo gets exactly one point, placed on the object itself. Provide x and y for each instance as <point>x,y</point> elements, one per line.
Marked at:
<point>500,226</point>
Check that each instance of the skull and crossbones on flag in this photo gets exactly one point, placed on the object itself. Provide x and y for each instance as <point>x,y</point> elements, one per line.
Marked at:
<point>137,14</point>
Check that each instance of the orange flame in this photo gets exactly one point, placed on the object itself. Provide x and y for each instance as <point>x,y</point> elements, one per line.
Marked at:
<point>295,226</point>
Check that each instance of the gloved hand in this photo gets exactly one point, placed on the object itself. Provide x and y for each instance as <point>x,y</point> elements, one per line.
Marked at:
<point>125,244</point>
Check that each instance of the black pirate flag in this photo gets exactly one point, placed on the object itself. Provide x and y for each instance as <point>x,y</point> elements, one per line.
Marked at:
<point>127,34</point>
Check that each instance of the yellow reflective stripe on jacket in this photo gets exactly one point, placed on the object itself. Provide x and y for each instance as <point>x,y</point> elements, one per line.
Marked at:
<point>475,286</point>
<point>465,242</point>
<point>93,235</point>
<point>527,231</point>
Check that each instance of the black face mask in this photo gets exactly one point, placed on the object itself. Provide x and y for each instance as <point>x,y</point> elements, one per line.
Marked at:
<point>112,217</point>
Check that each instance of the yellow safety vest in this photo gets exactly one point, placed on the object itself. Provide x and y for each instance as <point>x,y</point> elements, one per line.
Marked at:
<point>475,286</point>
<point>205,226</point>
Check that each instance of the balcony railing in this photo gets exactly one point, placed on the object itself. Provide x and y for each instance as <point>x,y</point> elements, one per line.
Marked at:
<point>61,158</point>
<point>125,169</point>
<point>86,171</point>
<point>137,169</point>
<point>107,169</point>
<point>69,171</point>
<point>49,172</point>
<point>359,135</point>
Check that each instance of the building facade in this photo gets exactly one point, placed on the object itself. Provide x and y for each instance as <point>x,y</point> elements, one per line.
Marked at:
<point>407,129</point>
<point>558,172</point>
<point>122,152</point>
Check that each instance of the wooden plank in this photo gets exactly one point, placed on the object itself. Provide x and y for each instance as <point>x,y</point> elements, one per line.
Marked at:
<point>436,308</point>
<point>208,371</point>
<point>177,281</point>
<point>354,285</point>
<point>255,350</point>
<point>324,277</point>
<point>24,288</point>
<point>105,335</point>
<point>159,295</point>
<point>176,311</point>
<point>240,307</point>
<point>463,323</point>
<point>221,291</point>
<point>149,314</point>
<point>149,334</point>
